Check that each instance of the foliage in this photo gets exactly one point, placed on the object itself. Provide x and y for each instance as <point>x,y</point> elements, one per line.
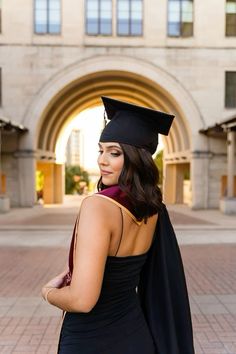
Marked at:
<point>187,173</point>
<point>39,180</point>
<point>159,163</point>
<point>76,179</point>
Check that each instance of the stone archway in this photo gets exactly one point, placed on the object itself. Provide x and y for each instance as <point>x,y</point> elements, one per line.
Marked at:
<point>80,86</point>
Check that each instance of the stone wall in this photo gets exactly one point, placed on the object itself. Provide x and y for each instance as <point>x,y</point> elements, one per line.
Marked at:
<point>198,64</point>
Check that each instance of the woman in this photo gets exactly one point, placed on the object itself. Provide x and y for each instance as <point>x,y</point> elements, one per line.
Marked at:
<point>127,292</point>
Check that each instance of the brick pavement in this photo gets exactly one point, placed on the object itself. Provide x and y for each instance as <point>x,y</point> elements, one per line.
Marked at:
<point>211,278</point>
<point>29,325</point>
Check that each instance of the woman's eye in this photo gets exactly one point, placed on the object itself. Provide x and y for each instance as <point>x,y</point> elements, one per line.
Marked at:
<point>112,153</point>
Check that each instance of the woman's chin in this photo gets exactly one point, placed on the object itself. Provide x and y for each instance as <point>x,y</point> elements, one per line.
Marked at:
<point>108,181</point>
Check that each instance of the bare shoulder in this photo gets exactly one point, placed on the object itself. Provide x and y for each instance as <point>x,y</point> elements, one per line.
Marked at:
<point>98,206</point>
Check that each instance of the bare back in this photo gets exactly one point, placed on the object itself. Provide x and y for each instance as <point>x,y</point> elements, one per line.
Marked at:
<point>129,237</point>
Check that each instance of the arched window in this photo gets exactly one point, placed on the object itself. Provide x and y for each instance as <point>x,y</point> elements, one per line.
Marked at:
<point>180,18</point>
<point>47,16</point>
<point>99,17</point>
<point>230,18</point>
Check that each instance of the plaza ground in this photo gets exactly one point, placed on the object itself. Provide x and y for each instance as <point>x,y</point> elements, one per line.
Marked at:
<point>34,246</point>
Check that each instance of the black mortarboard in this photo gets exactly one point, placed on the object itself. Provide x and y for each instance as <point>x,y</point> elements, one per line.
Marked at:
<point>134,125</point>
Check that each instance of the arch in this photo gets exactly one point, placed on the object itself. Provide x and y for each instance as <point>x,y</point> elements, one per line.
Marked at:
<point>80,85</point>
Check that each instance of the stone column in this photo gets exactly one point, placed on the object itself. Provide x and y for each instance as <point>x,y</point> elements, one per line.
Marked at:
<point>199,174</point>
<point>179,193</point>
<point>54,181</point>
<point>169,178</point>
<point>59,183</point>
<point>173,183</point>
<point>228,204</point>
<point>26,177</point>
<point>231,163</point>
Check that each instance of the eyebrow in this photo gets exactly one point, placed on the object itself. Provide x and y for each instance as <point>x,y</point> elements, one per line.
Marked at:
<point>110,146</point>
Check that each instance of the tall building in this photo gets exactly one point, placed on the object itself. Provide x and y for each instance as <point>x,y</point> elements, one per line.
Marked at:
<point>74,148</point>
<point>58,57</point>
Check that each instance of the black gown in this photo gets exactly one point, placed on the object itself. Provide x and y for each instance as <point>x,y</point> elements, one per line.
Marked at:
<point>116,325</point>
<point>143,307</point>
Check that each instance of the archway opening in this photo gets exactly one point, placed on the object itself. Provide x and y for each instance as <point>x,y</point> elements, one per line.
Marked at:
<point>85,93</point>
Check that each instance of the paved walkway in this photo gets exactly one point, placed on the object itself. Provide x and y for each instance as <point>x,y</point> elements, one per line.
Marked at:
<point>34,245</point>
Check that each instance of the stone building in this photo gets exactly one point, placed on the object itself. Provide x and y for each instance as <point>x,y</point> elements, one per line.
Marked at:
<point>58,57</point>
<point>74,148</point>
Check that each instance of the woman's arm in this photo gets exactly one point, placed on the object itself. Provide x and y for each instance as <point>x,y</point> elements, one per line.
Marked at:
<point>93,240</point>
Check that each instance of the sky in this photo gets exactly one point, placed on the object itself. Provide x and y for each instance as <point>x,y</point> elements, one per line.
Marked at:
<point>90,122</point>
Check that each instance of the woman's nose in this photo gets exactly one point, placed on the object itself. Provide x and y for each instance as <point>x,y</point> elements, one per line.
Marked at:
<point>102,160</point>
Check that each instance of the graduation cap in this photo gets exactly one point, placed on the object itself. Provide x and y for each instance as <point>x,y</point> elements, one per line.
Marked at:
<point>134,125</point>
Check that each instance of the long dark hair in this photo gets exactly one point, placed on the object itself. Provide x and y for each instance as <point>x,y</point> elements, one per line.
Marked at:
<point>139,180</point>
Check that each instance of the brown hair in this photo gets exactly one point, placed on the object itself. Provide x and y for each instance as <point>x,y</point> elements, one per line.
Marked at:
<point>139,180</point>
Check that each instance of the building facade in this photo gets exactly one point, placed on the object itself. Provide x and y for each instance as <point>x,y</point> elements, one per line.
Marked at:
<point>58,57</point>
<point>74,149</point>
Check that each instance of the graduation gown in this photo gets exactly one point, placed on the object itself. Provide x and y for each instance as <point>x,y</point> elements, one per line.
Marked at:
<point>163,292</point>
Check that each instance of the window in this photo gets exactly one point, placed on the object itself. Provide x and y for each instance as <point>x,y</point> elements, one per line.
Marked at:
<point>99,17</point>
<point>129,17</point>
<point>47,16</point>
<point>230,89</point>
<point>180,18</point>
<point>231,18</point>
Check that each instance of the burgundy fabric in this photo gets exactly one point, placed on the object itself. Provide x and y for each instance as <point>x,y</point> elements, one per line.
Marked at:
<point>115,193</point>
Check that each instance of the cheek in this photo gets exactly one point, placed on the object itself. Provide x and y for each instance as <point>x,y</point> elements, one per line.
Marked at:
<point>120,164</point>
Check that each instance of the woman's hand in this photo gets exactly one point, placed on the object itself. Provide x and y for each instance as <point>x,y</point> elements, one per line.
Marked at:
<point>55,282</point>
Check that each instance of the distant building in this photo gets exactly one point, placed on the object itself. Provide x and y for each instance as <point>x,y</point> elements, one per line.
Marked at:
<point>74,148</point>
<point>57,59</point>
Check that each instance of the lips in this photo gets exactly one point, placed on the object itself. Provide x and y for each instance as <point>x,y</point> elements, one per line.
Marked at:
<point>105,173</point>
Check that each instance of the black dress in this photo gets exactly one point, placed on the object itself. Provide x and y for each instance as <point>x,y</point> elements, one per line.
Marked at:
<point>143,307</point>
<point>116,325</point>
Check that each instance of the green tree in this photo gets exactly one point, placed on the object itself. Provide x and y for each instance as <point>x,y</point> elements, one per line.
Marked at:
<point>159,163</point>
<point>39,184</point>
<point>76,179</point>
